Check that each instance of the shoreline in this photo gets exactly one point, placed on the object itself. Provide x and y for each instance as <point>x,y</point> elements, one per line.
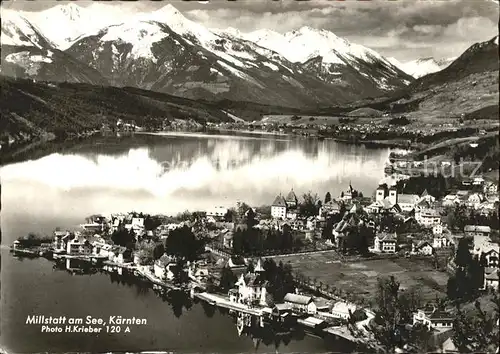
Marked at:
<point>38,147</point>
<point>211,298</point>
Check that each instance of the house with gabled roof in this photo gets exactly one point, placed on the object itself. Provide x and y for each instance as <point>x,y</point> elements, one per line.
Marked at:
<point>427,197</point>
<point>451,200</point>
<point>61,239</point>
<point>332,207</point>
<point>252,288</point>
<point>477,230</point>
<point>423,248</point>
<point>385,243</point>
<point>492,256</point>
<point>300,303</point>
<point>375,207</point>
<point>407,202</point>
<point>491,278</point>
<point>278,208</point>
<point>427,217</point>
<point>433,318</point>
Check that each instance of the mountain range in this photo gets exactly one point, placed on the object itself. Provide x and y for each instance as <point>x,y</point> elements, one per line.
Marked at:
<point>166,52</point>
<point>423,66</point>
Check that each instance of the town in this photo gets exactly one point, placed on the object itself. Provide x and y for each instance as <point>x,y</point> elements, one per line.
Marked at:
<point>427,245</point>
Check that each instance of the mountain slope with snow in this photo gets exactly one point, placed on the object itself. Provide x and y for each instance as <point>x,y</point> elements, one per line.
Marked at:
<point>331,56</point>
<point>26,52</point>
<point>467,88</point>
<point>423,66</point>
<point>164,51</point>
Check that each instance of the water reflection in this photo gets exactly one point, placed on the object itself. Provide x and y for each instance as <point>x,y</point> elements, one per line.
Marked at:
<point>273,334</point>
<point>169,174</point>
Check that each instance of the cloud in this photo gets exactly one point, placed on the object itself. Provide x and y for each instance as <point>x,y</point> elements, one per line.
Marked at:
<point>403,29</point>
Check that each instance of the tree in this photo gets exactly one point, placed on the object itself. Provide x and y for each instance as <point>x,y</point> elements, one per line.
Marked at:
<point>309,205</point>
<point>158,250</point>
<point>230,215</point>
<point>182,243</point>
<point>477,332</point>
<point>328,197</point>
<point>122,237</point>
<point>392,310</point>
<point>387,316</point>
<point>151,222</point>
<point>145,256</point>
<point>227,278</point>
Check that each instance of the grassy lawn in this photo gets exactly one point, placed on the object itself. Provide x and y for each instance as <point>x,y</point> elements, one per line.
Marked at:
<point>361,277</point>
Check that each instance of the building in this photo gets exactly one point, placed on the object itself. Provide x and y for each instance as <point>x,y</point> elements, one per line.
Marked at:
<point>477,230</point>
<point>474,200</point>
<point>251,289</point>
<point>427,197</point>
<point>285,208</point>
<point>490,188</point>
<point>385,243</point>
<point>407,202</point>
<point>102,249</point>
<point>440,241</point>
<point>491,278</point>
<point>376,207</point>
<point>380,193</point>
<point>291,200</point>
<point>60,240</point>
<point>343,310</point>
<point>217,212</point>
<point>451,200</point>
<point>78,246</point>
<point>278,208</point>
<point>393,195</point>
<point>161,268</point>
<point>330,208</point>
<point>433,318</point>
<point>491,256</point>
<point>428,217</point>
<point>437,229</point>
<point>198,271</point>
<point>120,255</point>
<point>423,248</point>
<point>300,303</point>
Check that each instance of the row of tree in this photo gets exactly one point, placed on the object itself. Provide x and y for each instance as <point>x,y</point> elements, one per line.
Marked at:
<point>460,215</point>
<point>256,241</point>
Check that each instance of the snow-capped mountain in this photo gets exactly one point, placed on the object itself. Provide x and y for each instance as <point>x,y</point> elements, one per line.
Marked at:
<point>27,52</point>
<point>164,51</point>
<point>479,58</point>
<point>64,24</point>
<point>18,31</point>
<point>329,56</point>
<point>421,67</point>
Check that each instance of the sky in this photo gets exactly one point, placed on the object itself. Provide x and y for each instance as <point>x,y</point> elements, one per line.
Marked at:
<point>406,30</point>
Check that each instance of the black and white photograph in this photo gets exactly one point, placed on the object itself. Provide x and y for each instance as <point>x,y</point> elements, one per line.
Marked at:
<point>251,176</point>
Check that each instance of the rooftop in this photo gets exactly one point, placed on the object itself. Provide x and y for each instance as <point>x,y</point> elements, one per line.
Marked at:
<point>480,228</point>
<point>298,299</point>
<point>279,201</point>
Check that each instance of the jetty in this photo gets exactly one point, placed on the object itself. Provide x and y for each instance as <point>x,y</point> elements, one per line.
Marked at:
<point>221,301</point>
<point>155,280</point>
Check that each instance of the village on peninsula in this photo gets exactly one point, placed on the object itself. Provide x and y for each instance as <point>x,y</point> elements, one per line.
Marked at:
<point>407,269</point>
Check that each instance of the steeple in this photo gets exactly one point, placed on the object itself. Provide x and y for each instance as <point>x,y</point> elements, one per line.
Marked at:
<point>259,268</point>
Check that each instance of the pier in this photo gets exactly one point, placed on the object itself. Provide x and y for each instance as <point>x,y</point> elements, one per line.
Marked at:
<point>220,301</point>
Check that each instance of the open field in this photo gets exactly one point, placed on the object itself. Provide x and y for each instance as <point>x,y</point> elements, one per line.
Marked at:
<point>361,277</point>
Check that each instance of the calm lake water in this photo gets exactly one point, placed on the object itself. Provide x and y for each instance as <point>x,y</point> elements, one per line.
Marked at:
<point>156,174</point>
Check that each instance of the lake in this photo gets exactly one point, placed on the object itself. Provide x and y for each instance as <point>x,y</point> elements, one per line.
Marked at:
<point>160,173</point>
